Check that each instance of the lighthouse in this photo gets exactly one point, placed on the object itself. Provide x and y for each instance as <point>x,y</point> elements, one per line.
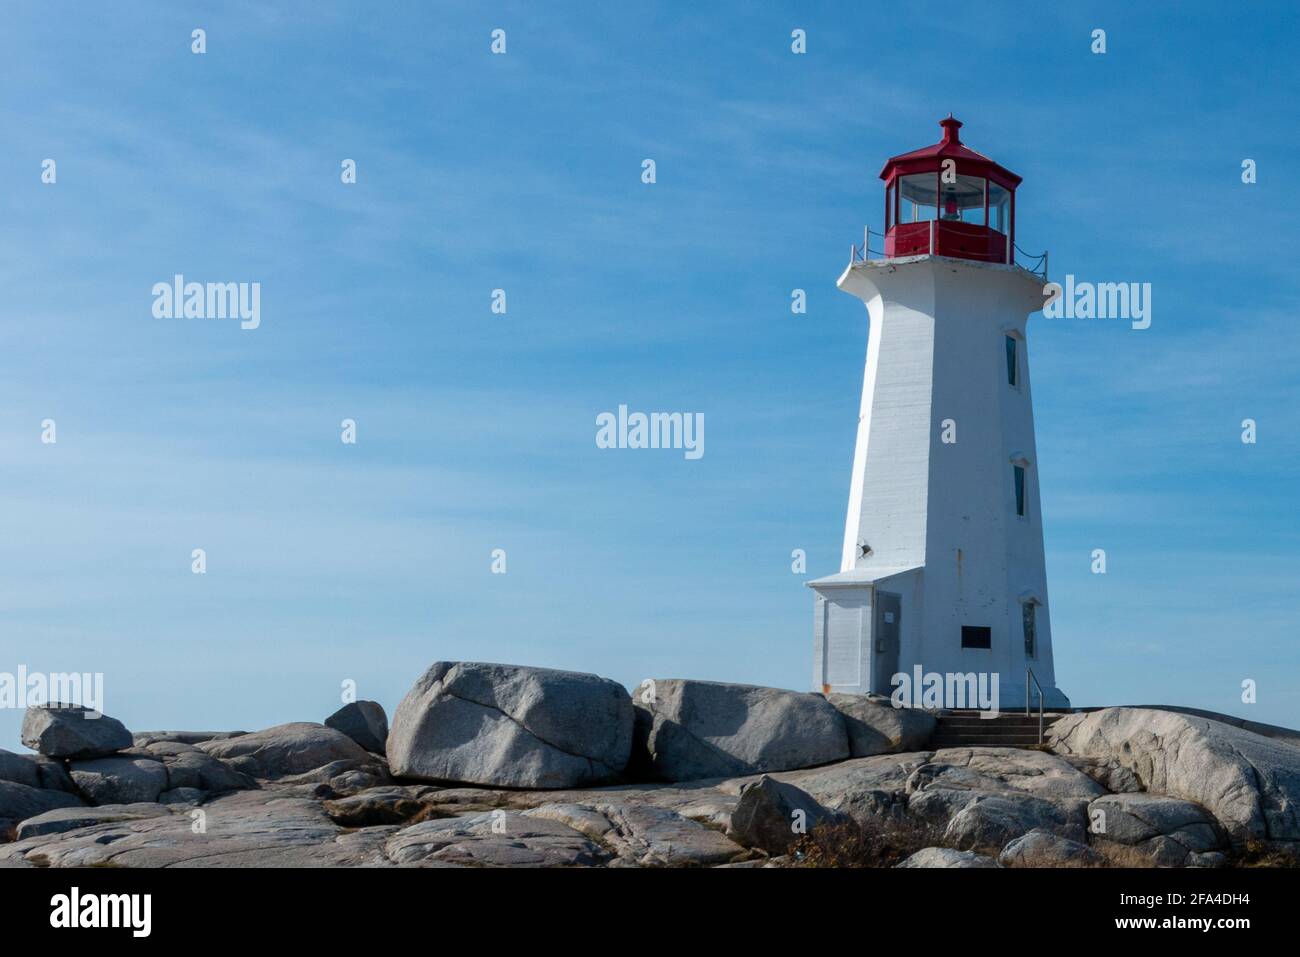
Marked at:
<point>942,570</point>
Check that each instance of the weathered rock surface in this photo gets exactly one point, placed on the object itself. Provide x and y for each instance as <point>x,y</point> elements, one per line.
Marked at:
<point>511,726</point>
<point>394,804</point>
<point>1251,784</point>
<point>1168,830</point>
<point>875,726</point>
<point>1285,735</point>
<point>189,767</point>
<point>1036,772</point>
<point>364,722</point>
<point>1045,849</point>
<point>339,778</point>
<point>947,857</point>
<point>659,837</point>
<point>493,839</point>
<point>863,788</point>
<point>145,738</point>
<point>286,749</point>
<point>182,796</point>
<point>314,797</point>
<point>120,779</point>
<point>242,829</point>
<point>994,820</point>
<point>71,731</point>
<point>584,819</point>
<point>64,819</point>
<point>704,729</point>
<point>1109,774</point>
<point>772,815</point>
<point>986,797</point>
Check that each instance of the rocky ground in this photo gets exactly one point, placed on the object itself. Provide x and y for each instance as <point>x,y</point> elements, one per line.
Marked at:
<point>495,765</point>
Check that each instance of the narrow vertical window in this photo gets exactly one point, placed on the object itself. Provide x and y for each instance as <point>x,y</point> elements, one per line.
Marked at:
<point>1012,364</point>
<point>1020,489</point>
<point>1031,636</point>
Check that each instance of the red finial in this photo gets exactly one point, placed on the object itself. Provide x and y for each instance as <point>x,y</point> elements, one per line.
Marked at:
<point>950,128</point>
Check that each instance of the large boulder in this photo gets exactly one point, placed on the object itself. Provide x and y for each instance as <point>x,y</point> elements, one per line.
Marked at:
<point>120,779</point>
<point>1250,783</point>
<point>1170,831</point>
<point>286,749</point>
<point>511,726</point>
<point>19,769</point>
<point>21,801</point>
<point>994,820</point>
<point>772,815</point>
<point>189,767</point>
<point>35,771</point>
<point>1043,775</point>
<point>71,731</point>
<point>875,726</point>
<point>364,722</point>
<point>692,730</point>
<point>946,857</point>
<point>863,788</point>
<point>1045,849</point>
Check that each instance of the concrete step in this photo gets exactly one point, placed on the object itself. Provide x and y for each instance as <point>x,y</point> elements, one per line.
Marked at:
<point>967,729</point>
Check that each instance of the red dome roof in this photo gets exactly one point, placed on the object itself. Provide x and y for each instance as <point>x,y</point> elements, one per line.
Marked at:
<point>950,147</point>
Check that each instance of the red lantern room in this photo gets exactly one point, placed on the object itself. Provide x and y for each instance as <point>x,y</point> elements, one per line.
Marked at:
<point>948,200</point>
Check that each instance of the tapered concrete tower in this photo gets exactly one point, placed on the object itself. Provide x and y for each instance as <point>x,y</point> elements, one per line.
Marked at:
<point>943,562</point>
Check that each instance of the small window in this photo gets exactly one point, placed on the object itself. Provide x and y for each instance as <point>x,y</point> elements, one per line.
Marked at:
<point>1013,362</point>
<point>1031,634</point>
<point>890,197</point>
<point>1020,489</point>
<point>976,636</point>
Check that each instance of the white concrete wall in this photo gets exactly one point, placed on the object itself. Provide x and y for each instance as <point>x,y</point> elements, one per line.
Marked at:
<point>891,458</point>
<point>936,351</point>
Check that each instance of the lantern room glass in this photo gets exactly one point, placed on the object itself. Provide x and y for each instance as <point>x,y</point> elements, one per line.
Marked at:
<point>963,200</point>
<point>999,207</point>
<point>917,197</point>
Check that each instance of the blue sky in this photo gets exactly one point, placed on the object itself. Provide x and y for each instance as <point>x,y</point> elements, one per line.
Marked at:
<point>329,562</point>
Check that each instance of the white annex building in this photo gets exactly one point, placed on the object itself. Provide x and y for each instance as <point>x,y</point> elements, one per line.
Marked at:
<point>943,562</point>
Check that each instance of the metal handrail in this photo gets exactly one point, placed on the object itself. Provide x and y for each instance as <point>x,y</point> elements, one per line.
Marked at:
<point>1029,673</point>
<point>1039,260</point>
<point>862,252</point>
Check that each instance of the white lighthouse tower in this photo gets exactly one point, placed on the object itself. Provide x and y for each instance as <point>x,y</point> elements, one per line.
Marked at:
<point>943,562</point>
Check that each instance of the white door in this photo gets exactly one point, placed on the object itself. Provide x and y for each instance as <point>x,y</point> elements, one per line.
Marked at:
<point>845,618</point>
